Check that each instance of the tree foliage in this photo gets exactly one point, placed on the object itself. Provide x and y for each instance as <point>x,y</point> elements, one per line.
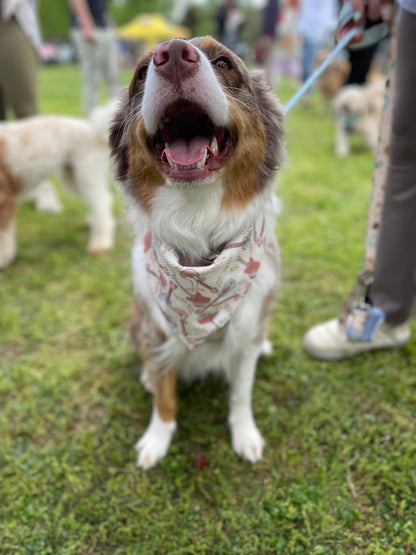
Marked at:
<point>55,17</point>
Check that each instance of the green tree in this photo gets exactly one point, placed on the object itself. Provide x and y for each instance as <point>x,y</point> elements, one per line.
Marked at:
<point>55,16</point>
<point>55,19</point>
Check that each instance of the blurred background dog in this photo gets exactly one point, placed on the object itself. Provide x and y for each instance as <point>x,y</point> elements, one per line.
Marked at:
<point>75,149</point>
<point>357,109</point>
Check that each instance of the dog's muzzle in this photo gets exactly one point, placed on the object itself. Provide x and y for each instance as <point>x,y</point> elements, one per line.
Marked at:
<point>185,111</point>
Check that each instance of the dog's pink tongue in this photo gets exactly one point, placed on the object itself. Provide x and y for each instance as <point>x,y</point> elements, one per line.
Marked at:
<point>185,152</point>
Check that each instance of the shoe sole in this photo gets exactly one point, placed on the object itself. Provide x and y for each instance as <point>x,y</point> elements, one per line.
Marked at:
<point>337,355</point>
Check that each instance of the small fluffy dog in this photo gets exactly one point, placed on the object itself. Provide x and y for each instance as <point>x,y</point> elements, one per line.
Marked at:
<point>197,141</point>
<point>77,150</point>
<point>357,109</point>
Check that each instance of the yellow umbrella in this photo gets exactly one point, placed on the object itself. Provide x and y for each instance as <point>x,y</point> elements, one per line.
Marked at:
<point>151,29</point>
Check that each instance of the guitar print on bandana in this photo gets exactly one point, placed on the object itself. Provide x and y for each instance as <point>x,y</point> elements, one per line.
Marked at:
<point>198,301</point>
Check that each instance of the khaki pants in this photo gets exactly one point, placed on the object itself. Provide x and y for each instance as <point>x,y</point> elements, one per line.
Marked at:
<point>99,62</point>
<point>18,72</point>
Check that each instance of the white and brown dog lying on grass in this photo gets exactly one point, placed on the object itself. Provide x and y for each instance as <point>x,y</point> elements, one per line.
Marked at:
<point>357,109</point>
<point>77,150</point>
<point>197,140</point>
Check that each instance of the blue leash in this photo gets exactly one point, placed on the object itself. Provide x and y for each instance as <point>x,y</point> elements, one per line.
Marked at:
<point>370,36</point>
<point>340,46</point>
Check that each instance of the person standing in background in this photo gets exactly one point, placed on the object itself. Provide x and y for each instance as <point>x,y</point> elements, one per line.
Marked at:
<point>317,22</point>
<point>229,21</point>
<point>267,40</point>
<point>20,40</point>
<point>95,43</point>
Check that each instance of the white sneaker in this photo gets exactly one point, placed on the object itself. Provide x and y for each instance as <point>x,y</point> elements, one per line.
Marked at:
<point>328,341</point>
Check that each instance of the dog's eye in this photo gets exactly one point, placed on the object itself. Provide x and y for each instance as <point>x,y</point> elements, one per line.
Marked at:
<point>223,63</point>
<point>142,73</point>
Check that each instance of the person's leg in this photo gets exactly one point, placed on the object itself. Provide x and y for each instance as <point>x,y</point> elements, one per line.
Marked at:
<point>307,58</point>
<point>394,286</point>
<point>3,72</point>
<point>2,105</point>
<point>110,63</point>
<point>18,70</point>
<point>307,66</point>
<point>394,289</point>
<point>87,53</point>
<point>361,60</point>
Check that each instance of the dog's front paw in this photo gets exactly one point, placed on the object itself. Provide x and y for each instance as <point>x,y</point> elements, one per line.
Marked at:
<point>247,442</point>
<point>154,443</point>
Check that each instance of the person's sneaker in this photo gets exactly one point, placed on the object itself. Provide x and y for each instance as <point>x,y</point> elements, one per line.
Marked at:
<point>328,341</point>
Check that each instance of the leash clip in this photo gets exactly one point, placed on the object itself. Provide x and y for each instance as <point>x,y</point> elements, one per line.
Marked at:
<point>371,36</point>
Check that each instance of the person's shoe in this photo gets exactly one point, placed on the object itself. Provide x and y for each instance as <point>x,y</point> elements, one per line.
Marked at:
<point>328,341</point>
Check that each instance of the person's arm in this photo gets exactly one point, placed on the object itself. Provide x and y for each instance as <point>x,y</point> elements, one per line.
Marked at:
<point>9,8</point>
<point>82,12</point>
<point>373,10</point>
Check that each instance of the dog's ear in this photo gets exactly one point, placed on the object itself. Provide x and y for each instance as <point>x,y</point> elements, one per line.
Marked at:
<point>118,137</point>
<point>271,113</point>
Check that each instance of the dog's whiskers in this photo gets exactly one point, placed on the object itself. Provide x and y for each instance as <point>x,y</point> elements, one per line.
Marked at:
<point>243,114</point>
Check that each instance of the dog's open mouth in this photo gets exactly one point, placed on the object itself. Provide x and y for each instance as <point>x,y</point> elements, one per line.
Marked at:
<point>188,145</point>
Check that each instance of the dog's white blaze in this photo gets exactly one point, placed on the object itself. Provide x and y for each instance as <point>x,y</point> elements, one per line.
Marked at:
<point>210,95</point>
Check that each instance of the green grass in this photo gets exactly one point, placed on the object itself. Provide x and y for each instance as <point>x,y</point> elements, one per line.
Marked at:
<point>339,471</point>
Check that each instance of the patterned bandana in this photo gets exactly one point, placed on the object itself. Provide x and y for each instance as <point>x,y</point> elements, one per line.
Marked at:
<point>198,301</point>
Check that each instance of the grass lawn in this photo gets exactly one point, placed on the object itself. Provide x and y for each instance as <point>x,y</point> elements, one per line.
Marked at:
<point>339,471</point>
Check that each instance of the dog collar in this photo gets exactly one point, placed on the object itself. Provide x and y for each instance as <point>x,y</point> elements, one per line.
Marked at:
<point>198,301</point>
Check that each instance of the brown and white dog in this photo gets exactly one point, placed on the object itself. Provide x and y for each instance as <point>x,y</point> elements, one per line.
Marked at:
<point>197,140</point>
<point>76,149</point>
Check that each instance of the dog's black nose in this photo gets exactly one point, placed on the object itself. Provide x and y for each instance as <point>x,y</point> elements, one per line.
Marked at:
<point>176,59</point>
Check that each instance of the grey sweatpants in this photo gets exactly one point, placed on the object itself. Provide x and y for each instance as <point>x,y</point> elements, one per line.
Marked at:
<point>99,63</point>
<point>394,287</point>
